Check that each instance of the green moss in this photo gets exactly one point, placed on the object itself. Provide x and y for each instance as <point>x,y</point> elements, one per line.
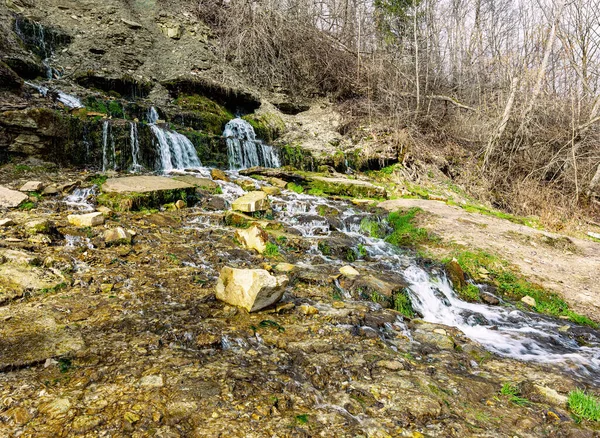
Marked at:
<point>267,126</point>
<point>347,190</point>
<point>210,149</point>
<point>26,206</point>
<point>213,116</point>
<point>95,105</point>
<point>99,180</point>
<point>468,292</point>
<point>372,227</point>
<point>324,248</point>
<point>115,109</point>
<point>294,187</point>
<point>584,405</point>
<point>295,156</point>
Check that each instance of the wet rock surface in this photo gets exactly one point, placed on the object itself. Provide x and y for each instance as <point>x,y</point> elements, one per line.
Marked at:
<point>131,340</point>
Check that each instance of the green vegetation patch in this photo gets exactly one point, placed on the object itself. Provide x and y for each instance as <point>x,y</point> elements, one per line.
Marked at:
<point>294,187</point>
<point>403,304</point>
<point>513,394</point>
<point>584,405</point>
<point>272,250</point>
<point>406,233</point>
<point>490,269</point>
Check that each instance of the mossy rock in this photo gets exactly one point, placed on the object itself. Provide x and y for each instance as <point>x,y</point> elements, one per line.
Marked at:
<point>201,113</point>
<point>295,156</point>
<point>346,187</point>
<point>144,192</point>
<point>267,126</point>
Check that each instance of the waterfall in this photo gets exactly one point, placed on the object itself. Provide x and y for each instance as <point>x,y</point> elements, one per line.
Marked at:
<point>176,151</point>
<point>67,100</point>
<point>106,137</point>
<point>135,147</point>
<point>244,150</point>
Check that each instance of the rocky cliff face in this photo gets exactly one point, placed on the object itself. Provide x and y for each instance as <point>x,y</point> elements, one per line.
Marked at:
<point>70,67</point>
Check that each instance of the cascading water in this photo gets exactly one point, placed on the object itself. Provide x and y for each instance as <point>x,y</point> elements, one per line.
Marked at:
<point>67,100</point>
<point>503,330</point>
<point>105,129</point>
<point>244,150</point>
<point>135,147</point>
<point>176,151</point>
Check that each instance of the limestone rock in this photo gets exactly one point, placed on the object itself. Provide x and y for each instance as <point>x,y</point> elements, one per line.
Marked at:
<point>251,289</point>
<point>278,182</point>
<point>32,186</point>
<point>253,238</point>
<point>307,309</point>
<point>27,144</point>
<point>6,222</point>
<point>456,274</point>
<point>284,267</point>
<point>116,236</point>
<point>86,220</point>
<point>180,204</point>
<point>152,381</point>
<point>11,198</point>
<point>219,175</point>
<point>50,190</point>
<point>530,301</point>
<point>56,408</point>
<point>349,271</point>
<point>251,202</point>
<point>272,191</point>
<point>246,185</point>
<point>201,183</point>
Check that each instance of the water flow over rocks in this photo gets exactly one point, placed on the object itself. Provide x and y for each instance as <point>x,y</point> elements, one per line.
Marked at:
<point>244,150</point>
<point>176,151</point>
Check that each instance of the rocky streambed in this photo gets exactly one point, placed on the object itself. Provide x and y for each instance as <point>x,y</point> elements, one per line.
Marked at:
<point>112,328</point>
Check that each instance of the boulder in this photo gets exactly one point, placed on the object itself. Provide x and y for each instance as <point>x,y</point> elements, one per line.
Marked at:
<point>135,192</point>
<point>251,289</point>
<point>27,144</point>
<point>277,182</point>
<point>86,220</point>
<point>251,202</point>
<point>11,198</point>
<point>269,190</point>
<point>349,271</point>
<point>246,184</point>
<point>131,24</point>
<point>6,222</point>
<point>180,204</point>
<point>219,175</point>
<point>116,236</point>
<point>253,238</point>
<point>32,186</point>
<point>530,301</point>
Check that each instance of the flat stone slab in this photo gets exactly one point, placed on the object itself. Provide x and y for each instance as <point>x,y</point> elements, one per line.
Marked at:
<point>11,198</point>
<point>29,336</point>
<point>142,184</point>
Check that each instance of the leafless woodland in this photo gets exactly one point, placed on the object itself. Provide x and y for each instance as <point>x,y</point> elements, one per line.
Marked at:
<point>516,82</point>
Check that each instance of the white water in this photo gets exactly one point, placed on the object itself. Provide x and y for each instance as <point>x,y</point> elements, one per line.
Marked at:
<point>503,330</point>
<point>176,151</point>
<point>105,129</point>
<point>135,147</point>
<point>244,150</point>
<point>80,199</point>
<point>67,100</point>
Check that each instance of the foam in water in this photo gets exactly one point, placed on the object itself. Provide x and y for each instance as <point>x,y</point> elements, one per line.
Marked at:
<point>176,151</point>
<point>244,150</point>
<point>503,330</point>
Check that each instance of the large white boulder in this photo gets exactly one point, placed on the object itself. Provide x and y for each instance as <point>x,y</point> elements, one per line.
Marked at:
<point>253,238</point>
<point>251,289</point>
<point>251,202</point>
<point>11,198</point>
